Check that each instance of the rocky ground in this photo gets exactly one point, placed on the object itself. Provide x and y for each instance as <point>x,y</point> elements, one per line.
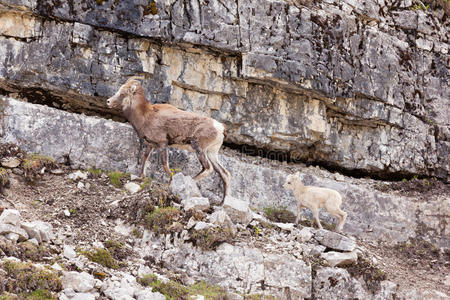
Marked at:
<point>100,236</point>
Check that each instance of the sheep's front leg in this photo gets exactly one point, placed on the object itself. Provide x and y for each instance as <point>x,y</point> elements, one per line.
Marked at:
<point>148,151</point>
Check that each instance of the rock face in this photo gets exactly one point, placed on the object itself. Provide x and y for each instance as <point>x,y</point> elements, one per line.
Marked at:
<point>354,85</point>
<point>104,144</point>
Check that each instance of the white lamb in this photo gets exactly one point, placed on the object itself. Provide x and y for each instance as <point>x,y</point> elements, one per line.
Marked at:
<point>313,197</point>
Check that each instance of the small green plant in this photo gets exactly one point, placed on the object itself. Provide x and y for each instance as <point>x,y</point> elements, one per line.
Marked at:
<point>102,257</point>
<point>72,211</point>
<point>33,164</point>
<point>26,277</point>
<point>280,215</point>
<point>94,172</point>
<point>173,172</point>
<point>371,274</point>
<point>426,182</point>
<point>116,178</point>
<point>137,233</point>
<point>39,295</point>
<point>212,237</point>
<point>175,290</point>
<point>146,183</point>
<point>4,179</point>
<point>160,219</point>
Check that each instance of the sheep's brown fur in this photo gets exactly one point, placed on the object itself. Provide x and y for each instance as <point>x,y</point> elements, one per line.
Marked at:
<point>313,197</point>
<point>163,125</point>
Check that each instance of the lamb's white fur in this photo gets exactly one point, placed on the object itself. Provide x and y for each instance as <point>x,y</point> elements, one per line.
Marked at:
<point>313,197</point>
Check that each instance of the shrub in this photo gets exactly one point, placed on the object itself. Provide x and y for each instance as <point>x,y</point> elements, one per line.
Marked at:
<point>160,219</point>
<point>116,178</point>
<point>210,238</point>
<point>102,257</point>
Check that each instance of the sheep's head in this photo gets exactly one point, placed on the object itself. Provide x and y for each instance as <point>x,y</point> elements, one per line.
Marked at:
<point>124,95</point>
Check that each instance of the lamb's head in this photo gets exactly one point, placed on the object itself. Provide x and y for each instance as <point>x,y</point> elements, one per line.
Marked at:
<point>290,182</point>
<point>125,94</point>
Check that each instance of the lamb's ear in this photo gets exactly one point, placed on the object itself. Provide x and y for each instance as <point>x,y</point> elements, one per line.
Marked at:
<point>133,89</point>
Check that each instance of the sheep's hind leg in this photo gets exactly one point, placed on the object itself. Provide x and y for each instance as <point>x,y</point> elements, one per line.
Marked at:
<point>204,161</point>
<point>212,153</point>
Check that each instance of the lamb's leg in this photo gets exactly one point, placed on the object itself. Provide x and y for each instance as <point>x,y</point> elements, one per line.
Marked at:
<point>315,212</point>
<point>342,215</point>
<point>148,151</point>
<point>299,211</point>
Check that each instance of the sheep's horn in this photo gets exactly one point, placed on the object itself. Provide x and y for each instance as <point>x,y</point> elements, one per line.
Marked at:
<point>135,78</point>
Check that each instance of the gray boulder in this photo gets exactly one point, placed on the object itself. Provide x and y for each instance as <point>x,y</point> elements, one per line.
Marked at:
<point>6,229</point>
<point>184,186</point>
<point>334,240</point>
<point>10,216</point>
<point>41,231</point>
<point>198,203</point>
<point>220,218</point>
<point>79,282</point>
<point>238,210</point>
<point>339,259</point>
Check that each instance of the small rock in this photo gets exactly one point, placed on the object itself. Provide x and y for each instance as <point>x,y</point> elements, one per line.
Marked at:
<point>237,210</point>
<point>42,231</point>
<point>78,175</point>
<point>305,235</point>
<point>8,228</point>
<point>10,216</point>
<point>123,228</point>
<point>80,185</point>
<point>202,225</point>
<point>34,241</point>
<point>447,280</point>
<point>338,259</point>
<point>57,171</point>
<point>184,186</point>
<point>67,213</point>
<point>191,223</point>
<point>143,270</point>
<point>132,187</point>
<point>221,219</point>
<point>148,294</point>
<point>83,296</point>
<point>339,177</point>
<point>197,203</point>
<point>10,162</point>
<point>69,252</point>
<point>197,297</point>
<point>56,267</point>
<point>13,237</point>
<point>335,240</point>
<point>79,282</point>
<point>285,226</point>
<point>134,177</point>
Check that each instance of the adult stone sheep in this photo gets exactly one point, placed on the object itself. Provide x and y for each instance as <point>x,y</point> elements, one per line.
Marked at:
<point>164,125</point>
<point>314,197</point>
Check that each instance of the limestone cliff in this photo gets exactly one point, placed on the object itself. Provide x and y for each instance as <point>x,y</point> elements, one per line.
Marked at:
<point>359,86</point>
